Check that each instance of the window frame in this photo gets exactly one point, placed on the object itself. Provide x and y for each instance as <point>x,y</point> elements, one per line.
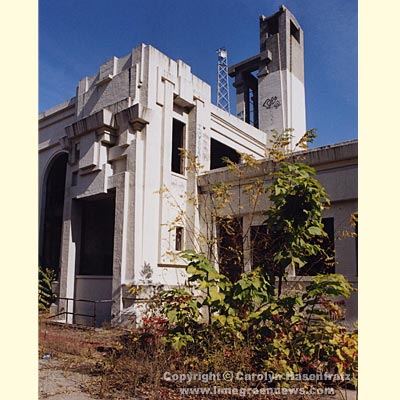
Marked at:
<point>177,156</point>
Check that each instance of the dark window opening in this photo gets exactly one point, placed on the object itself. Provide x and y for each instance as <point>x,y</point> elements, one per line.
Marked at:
<point>179,238</point>
<point>261,254</point>
<point>178,143</point>
<point>295,32</point>
<point>230,248</point>
<point>317,265</point>
<point>53,213</point>
<point>273,26</point>
<point>220,152</point>
<point>251,98</point>
<point>74,181</point>
<point>77,152</point>
<point>97,237</point>
<point>253,107</point>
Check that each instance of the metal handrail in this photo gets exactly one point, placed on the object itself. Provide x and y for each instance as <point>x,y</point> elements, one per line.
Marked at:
<point>74,314</point>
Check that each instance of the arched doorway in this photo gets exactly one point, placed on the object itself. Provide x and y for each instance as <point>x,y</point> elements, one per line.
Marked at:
<point>54,191</point>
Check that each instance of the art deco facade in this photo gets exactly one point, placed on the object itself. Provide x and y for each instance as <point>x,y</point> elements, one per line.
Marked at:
<point>107,155</point>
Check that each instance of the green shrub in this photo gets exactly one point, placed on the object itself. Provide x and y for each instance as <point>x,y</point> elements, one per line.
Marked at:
<point>250,328</point>
<point>46,295</point>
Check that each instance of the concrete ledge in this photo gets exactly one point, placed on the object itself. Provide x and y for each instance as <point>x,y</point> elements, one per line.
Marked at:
<point>57,109</point>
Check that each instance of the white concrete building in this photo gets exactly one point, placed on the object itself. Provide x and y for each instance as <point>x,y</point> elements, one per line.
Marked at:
<point>107,154</point>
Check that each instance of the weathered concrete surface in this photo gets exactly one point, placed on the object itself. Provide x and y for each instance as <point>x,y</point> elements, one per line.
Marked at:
<point>55,383</point>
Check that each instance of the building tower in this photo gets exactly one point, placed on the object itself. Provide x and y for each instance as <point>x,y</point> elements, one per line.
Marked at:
<point>223,83</point>
<point>270,86</point>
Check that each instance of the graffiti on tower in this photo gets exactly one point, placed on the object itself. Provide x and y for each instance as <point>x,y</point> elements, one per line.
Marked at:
<point>272,102</point>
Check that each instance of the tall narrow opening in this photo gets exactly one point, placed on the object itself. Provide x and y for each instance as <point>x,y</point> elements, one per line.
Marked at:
<point>273,25</point>
<point>179,238</point>
<point>97,236</point>
<point>95,256</point>
<point>317,264</point>
<point>178,144</point>
<point>50,248</point>
<point>230,247</point>
<point>294,31</point>
<point>251,99</point>
<point>261,254</point>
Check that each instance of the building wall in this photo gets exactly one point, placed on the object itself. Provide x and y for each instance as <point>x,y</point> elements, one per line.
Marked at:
<point>336,169</point>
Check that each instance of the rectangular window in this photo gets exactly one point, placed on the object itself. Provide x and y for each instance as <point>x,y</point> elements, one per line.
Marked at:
<point>315,264</point>
<point>75,154</point>
<point>97,236</point>
<point>74,178</point>
<point>262,256</point>
<point>219,153</point>
<point>179,238</point>
<point>178,144</point>
<point>253,106</point>
<point>273,25</point>
<point>230,247</point>
<point>260,247</point>
<point>295,32</point>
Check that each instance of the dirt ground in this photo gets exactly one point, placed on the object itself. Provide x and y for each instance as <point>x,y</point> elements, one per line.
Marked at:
<point>69,358</point>
<point>71,361</point>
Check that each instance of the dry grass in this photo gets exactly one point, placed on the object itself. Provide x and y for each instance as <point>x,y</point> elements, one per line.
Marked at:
<point>116,368</point>
<point>66,339</point>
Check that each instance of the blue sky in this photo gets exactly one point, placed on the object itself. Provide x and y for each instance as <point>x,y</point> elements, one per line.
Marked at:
<point>76,36</point>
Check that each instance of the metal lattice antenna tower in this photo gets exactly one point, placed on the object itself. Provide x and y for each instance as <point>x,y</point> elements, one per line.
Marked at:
<point>223,83</point>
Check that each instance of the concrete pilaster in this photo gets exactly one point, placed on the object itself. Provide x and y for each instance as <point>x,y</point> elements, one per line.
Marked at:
<point>120,237</point>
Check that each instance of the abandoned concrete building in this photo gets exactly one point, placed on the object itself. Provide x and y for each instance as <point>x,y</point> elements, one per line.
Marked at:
<point>107,154</point>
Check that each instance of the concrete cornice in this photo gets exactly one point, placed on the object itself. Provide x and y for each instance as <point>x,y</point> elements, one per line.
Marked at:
<point>245,130</point>
<point>137,116</point>
<point>59,108</point>
<point>325,157</point>
<point>102,119</point>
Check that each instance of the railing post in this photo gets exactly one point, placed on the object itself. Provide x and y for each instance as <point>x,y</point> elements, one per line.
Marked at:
<point>67,311</point>
<point>94,312</point>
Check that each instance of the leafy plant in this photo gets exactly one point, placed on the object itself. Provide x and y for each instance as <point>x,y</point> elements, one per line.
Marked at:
<point>289,334</point>
<point>182,312</point>
<point>294,220</point>
<point>298,335</point>
<point>180,307</point>
<point>46,295</point>
<point>229,303</point>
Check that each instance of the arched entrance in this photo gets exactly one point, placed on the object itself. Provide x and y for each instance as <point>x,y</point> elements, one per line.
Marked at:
<point>52,222</point>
